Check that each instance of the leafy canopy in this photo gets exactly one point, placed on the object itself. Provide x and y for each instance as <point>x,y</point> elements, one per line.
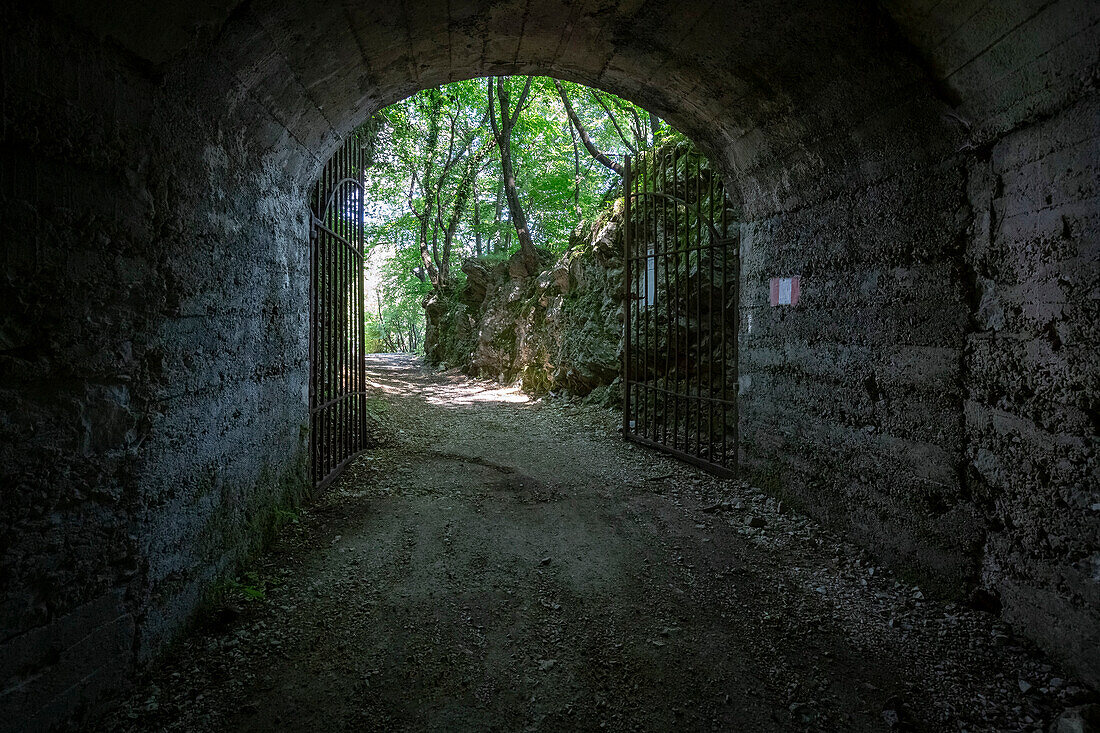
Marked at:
<point>435,190</point>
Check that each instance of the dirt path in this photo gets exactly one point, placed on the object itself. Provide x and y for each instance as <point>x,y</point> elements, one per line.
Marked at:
<point>512,565</point>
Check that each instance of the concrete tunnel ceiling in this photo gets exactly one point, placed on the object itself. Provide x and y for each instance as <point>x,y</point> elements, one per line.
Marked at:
<point>760,85</point>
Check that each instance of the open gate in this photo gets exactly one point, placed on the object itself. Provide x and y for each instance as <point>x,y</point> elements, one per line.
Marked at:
<point>337,377</point>
<point>680,274</point>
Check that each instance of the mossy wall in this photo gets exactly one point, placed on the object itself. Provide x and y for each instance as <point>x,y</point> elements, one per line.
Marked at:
<point>559,331</point>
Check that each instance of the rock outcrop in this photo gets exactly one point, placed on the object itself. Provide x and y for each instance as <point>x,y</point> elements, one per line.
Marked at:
<point>558,331</point>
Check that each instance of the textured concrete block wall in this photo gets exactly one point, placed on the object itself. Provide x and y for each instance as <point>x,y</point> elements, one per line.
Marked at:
<point>152,354</point>
<point>1032,374</point>
<point>850,401</point>
<point>76,227</point>
<point>1023,82</point>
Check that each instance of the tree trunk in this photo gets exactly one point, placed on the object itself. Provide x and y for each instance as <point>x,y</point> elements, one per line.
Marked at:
<point>614,121</point>
<point>426,215</point>
<point>498,210</point>
<point>503,135</point>
<point>462,195</point>
<point>422,239</point>
<point>576,171</point>
<point>477,221</point>
<point>640,137</point>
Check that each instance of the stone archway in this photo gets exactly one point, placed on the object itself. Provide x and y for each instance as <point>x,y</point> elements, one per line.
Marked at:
<point>156,163</point>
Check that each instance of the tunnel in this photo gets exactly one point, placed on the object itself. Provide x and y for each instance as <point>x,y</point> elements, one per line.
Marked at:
<point>930,171</point>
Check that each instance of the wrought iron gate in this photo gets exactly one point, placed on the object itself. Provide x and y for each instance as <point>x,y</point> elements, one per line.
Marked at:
<point>337,378</point>
<point>681,279</point>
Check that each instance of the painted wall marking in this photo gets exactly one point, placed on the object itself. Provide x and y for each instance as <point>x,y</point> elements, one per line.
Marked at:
<point>784,290</point>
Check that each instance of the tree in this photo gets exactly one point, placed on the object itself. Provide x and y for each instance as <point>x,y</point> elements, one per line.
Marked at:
<point>502,133</point>
<point>447,183</point>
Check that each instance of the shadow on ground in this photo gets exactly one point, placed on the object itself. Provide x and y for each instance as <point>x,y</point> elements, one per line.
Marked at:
<point>510,564</point>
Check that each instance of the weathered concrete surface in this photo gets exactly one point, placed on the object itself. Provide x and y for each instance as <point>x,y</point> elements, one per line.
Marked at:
<point>1031,364</point>
<point>930,169</point>
<point>850,402</point>
<point>153,365</point>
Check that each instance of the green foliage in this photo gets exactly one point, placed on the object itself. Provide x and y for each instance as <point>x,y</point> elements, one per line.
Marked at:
<point>376,407</point>
<point>284,517</point>
<point>249,587</point>
<point>437,142</point>
<point>395,317</point>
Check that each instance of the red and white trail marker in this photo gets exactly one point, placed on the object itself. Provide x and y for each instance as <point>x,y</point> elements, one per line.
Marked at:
<point>784,290</point>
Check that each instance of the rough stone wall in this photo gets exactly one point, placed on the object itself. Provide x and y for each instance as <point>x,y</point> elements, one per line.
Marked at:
<point>559,331</point>
<point>1023,85</point>
<point>152,365</point>
<point>934,392</point>
<point>74,227</point>
<point>850,401</point>
<point>1032,373</point>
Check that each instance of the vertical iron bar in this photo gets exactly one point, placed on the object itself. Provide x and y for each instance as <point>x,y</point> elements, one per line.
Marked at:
<point>353,305</point>
<point>627,295</point>
<point>337,309</point>
<point>685,356</point>
<point>667,312</point>
<point>318,355</point>
<point>315,361</point>
<point>674,306</point>
<point>312,345</point>
<point>638,243</point>
<point>322,328</point>
<point>337,330</point>
<point>635,301</point>
<point>710,325</point>
<point>349,309</point>
<point>350,210</point>
<point>725,307</point>
<point>322,350</point>
<point>362,307</point>
<point>345,316</point>
<point>330,339</point>
<point>349,303</point>
<point>314,335</point>
<point>736,328</point>
<point>698,306</point>
<point>652,306</point>
<point>337,319</point>
<point>643,252</point>
<point>329,323</point>
<point>342,315</point>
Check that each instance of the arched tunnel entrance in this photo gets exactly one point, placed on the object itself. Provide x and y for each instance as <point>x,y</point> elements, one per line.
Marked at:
<point>930,172</point>
<point>671,234</point>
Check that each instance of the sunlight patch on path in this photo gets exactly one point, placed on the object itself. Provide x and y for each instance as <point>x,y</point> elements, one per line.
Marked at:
<point>451,388</point>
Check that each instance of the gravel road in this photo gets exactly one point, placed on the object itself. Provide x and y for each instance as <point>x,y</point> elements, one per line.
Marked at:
<point>500,563</point>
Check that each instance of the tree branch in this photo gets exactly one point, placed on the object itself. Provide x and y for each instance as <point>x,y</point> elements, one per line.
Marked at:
<point>595,152</point>
<point>622,136</point>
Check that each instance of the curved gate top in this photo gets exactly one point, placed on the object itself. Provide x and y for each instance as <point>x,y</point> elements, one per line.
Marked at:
<point>680,276</point>
<point>337,378</point>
